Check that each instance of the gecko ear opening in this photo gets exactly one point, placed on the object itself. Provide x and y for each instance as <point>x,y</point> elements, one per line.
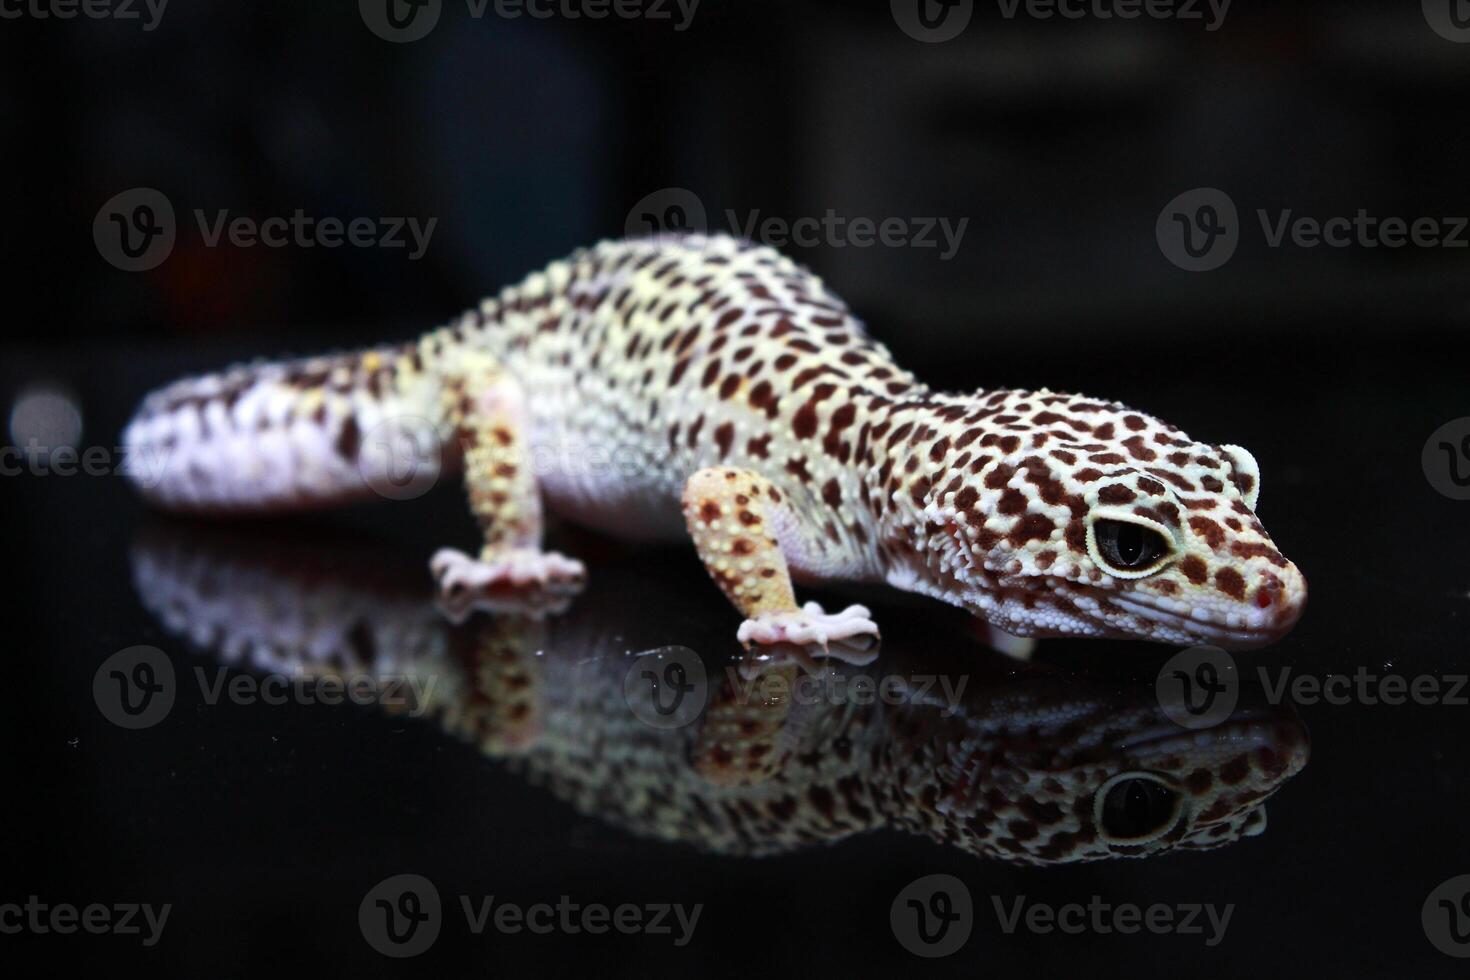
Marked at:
<point>1244,473</point>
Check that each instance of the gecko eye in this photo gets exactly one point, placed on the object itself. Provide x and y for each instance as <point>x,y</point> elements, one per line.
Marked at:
<point>1137,807</point>
<point>1128,549</point>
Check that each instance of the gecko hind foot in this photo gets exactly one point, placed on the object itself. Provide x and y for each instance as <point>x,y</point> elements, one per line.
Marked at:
<point>517,579</point>
<point>850,635</point>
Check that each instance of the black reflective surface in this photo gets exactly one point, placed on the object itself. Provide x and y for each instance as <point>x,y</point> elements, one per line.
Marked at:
<point>528,777</point>
<point>697,742</point>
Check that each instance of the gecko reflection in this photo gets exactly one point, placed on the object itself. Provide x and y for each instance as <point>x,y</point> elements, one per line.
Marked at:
<point>1026,765</point>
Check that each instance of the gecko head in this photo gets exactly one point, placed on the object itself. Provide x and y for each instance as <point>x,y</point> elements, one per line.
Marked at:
<point>1090,519</point>
<point>1176,789</point>
<point>1077,782</point>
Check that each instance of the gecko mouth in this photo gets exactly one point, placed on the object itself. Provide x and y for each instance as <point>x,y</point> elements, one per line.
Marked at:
<point>1247,628</point>
<point>1246,728</point>
<point>1086,609</point>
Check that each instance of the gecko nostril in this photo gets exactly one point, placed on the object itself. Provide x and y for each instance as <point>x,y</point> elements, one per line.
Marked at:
<point>1270,592</point>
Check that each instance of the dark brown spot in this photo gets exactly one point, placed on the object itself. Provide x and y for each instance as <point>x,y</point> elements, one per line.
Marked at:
<point>1230,582</point>
<point>1000,476</point>
<point>1235,770</point>
<point>1199,782</point>
<point>349,439</point>
<point>1213,533</point>
<point>797,468</point>
<point>724,435</point>
<point>1031,527</point>
<point>832,493</point>
<point>1256,549</point>
<point>1194,569</point>
<point>805,422</point>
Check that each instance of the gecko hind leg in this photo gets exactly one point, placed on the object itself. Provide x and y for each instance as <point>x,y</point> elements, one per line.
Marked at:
<point>738,522</point>
<point>486,408</point>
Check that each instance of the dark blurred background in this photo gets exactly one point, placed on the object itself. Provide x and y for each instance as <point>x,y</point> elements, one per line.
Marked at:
<point>1060,142</point>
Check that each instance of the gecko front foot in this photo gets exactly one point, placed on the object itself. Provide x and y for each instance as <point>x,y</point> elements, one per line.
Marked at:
<point>467,584</point>
<point>850,636</point>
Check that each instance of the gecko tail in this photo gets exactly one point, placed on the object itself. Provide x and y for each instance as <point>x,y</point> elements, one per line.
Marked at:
<point>290,435</point>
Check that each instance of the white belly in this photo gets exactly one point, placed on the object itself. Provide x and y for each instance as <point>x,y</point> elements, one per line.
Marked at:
<point>609,480</point>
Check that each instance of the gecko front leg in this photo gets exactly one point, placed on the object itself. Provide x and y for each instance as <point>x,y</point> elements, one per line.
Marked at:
<point>740,525</point>
<point>486,408</point>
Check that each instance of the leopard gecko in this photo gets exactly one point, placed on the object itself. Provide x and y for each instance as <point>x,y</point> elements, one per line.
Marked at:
<point>706,388</point>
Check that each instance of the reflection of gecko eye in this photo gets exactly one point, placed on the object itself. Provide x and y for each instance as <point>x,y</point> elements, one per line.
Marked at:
<point>1134,808</point>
